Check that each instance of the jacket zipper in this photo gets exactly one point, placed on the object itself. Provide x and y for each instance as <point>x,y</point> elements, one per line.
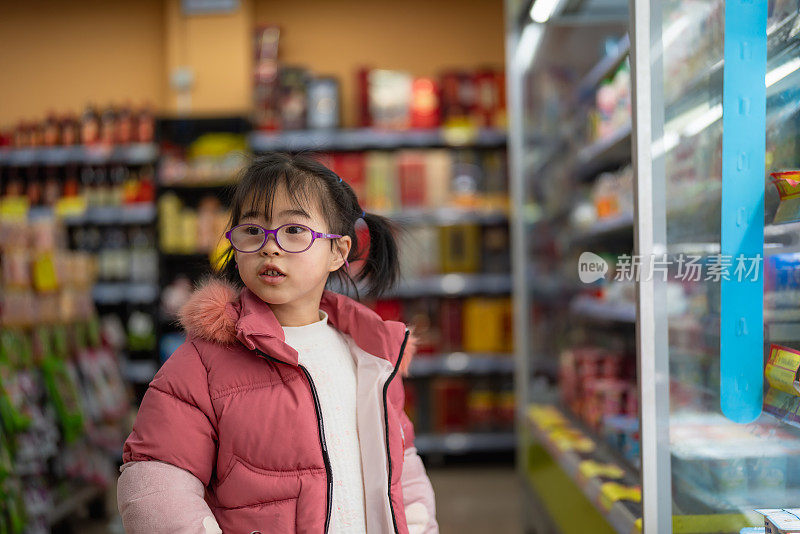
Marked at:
<point>321,431</point>
<point>386,421</point>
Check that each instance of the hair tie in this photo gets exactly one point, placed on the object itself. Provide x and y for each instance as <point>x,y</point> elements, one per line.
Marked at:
<point>340,179</point>
<point>363,214</point>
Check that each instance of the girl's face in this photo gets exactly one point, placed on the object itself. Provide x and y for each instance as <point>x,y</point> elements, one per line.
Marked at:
<point>295,297</point>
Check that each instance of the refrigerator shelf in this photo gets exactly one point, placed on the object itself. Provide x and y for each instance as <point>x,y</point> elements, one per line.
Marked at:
<point>572,448</point>
<point>600,310</point>
<point>605,154</point>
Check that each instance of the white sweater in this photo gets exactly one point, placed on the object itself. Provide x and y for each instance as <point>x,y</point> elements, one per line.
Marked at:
<point>324,353</point>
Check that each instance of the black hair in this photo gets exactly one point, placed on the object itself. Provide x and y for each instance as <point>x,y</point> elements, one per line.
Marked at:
<point>308,182</point>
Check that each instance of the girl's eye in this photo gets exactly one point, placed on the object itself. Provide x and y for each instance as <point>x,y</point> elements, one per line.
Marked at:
<point>295,230</point>
<point>252,230</point>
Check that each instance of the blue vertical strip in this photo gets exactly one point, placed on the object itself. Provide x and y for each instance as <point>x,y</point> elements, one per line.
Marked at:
<point>744,108</point>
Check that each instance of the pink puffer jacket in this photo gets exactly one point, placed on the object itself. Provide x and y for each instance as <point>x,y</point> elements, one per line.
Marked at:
<point>233,407</point>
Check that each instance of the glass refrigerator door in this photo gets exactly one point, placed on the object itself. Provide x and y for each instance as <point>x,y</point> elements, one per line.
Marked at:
<point>718,104</point>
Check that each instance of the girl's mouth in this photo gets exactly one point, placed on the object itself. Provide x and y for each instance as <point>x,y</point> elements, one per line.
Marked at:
<point>272,277</point>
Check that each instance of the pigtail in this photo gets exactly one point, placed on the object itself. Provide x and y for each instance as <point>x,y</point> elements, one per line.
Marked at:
<point>381,268</point>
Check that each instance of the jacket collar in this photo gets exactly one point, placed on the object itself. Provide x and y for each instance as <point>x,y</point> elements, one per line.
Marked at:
<point>218,312</point>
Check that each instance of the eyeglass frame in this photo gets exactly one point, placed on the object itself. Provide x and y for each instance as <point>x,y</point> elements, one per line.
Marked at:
<point>314,236</point>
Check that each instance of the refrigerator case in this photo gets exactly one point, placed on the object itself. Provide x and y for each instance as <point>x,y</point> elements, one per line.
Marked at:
<point>729,449</point>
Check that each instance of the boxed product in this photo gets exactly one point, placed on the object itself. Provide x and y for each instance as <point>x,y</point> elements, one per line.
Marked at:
<point>495,248</point>
<point>293,83</point>
<point>782,369</point>
<point>788,185</point>
<point>425,111</point>
<point>265,92</point>
<point>419,252</point>
<point>487,325</point>
<point>781,520</point>
<point>438,173</point>
<point>412,178</point>
<point>460,248</point>
<point>450,400</point>
<point>350,166</point>
<point>381,193</point>
<point>390,95</point>
<point>323,103</point>
<point>451,324</point>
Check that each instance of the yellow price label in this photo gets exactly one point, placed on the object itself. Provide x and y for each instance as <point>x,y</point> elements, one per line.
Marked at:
<point>611,492</point>
<point>70,206</point>
<point>14,209</point>
<point>44,273</point>
<point>592,469</point>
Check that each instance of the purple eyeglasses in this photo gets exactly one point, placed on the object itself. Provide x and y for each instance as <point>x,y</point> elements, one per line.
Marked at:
<point>290,237</point>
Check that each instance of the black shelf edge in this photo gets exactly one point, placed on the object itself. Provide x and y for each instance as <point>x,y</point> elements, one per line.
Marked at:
<point>460,363</point>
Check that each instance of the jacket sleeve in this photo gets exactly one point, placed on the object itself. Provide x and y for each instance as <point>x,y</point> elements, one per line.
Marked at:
<point>176,423</point>
<point>159,498</point>
<point>418,496</point>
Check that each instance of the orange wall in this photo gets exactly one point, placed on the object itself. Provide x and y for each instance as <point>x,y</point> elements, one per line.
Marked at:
<point>420,36</point>
<point>61,54</point>
<point>218,48</point>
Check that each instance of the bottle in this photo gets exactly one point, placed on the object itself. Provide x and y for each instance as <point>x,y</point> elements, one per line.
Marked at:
<point>90,126</point>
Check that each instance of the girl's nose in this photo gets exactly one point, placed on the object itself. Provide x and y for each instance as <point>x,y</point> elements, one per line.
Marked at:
<point>271,246</point>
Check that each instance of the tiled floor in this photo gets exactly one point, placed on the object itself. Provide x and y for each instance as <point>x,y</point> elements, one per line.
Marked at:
<point>473,500</point>
<point>469,500</point>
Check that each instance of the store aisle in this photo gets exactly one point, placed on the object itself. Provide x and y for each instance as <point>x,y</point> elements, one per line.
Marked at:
<point>475,499</point>
<point>469,499</point>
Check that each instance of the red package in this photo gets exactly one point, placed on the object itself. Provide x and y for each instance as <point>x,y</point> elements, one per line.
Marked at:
<point>362,98</point>
<point>451,324</point>
<point>450,404</point>
<point>411,175</point>
<point>487,99</point>
<point>350,168</point>
<point>425,110</point>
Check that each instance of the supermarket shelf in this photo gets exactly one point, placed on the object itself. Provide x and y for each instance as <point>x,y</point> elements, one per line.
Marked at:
<point>133,154</point>
<point>622,515</point>
<point>135,214</point>
<point>78,498</point>
<point>605,154</point>
<point>619,226</point>
<point>124,292</point>
<point>455,284</point>
<point>600,310</point>
<point>458,363</point>
<point>603,70</point>
<point>446,216</point>
<point>465,443</point>
<point>367,138</point>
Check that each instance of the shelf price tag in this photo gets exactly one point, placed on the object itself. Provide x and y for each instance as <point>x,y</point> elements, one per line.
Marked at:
<point>70,207</point>
<point>782,369</point>
<point>14,209</point>
<point>592,469</point>
<point>611,492</point>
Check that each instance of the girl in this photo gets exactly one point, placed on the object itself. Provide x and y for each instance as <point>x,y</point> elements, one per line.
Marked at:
<point>283,410</point>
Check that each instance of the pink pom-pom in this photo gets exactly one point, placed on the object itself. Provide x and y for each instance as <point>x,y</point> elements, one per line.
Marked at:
<point>207,314</point>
